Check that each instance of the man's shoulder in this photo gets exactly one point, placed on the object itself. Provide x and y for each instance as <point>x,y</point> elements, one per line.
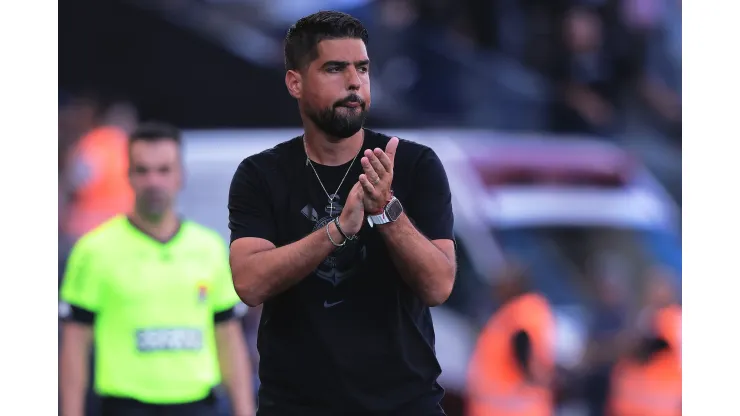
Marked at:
<point>407,149</point>
<point>270,158</point>
<point>102,244</point>
<point>100,237</point>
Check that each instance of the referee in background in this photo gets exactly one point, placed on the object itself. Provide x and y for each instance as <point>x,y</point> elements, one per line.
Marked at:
<point>154,294</point>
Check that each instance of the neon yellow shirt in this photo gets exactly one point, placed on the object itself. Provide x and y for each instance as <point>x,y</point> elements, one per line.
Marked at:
<point>154,305</point>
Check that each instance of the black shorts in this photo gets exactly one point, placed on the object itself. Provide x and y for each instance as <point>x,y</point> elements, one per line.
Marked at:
<point>116,406</point>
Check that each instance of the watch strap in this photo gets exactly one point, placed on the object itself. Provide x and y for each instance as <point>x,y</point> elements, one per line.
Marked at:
<point>382,217</point>
<point>378,219</point>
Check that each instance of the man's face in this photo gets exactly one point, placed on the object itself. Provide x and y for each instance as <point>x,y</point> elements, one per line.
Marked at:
<point>583,31</point>
<point>155,175</point>
<point>659,288</point>
<point>335,87</point>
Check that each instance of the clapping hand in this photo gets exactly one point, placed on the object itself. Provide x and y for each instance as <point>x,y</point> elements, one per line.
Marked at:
<point>378,177</point>
<point>353,213</point>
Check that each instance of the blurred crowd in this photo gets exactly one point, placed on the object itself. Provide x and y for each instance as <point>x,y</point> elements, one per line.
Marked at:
<point>631,364</point>
<point>604,67</point>
<point>609,69</point>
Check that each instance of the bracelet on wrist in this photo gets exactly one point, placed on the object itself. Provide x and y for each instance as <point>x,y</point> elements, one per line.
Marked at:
<point>328,234</point>
<point>339,228</point>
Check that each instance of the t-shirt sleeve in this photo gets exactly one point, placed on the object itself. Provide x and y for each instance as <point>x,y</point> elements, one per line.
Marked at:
<point>431,206</point>
<point>81,291</point>
<point>224,300</point>
<point>250,214</point>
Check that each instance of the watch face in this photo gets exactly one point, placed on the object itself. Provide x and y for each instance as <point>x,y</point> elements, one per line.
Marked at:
<point>394,210</point>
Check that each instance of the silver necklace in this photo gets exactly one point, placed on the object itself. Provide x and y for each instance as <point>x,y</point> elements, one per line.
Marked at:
<point>308,162</point>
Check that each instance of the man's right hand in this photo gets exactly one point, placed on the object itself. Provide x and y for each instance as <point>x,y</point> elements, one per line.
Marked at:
<point>353,213</point>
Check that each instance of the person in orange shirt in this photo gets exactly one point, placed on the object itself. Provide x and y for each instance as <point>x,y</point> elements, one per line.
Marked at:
<point>648,381</point>
<point>512,367</point>
<point>97,178</point>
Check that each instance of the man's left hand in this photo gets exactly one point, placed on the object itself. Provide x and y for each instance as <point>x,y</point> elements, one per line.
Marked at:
<point>378,177</point>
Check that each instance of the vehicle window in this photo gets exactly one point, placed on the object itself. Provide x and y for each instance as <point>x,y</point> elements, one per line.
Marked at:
<point>563,260</point>
<point>542,252</point>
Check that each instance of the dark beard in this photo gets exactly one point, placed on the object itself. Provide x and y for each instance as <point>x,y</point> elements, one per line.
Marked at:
<point>151,206</point>
<point>337,125</point>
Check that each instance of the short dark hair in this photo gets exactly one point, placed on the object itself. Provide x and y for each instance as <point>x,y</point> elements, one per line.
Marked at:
<point>304,36</point>
<point>152,131</point>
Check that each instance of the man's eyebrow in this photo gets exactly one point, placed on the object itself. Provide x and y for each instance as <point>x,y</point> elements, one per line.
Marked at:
<point>343,64</point>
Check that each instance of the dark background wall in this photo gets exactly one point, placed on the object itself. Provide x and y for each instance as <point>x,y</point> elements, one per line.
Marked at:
<point>169,73</point>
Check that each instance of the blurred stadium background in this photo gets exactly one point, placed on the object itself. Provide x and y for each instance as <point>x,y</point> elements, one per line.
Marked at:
<point>558,121</point>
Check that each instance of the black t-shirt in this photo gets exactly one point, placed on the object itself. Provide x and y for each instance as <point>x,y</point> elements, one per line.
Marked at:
<point>352,337</point>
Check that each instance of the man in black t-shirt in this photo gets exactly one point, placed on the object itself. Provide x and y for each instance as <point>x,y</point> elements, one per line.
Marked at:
<point>345,235</point>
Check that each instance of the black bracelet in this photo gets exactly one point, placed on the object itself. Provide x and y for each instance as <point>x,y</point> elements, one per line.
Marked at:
<point>339,228</point>
<point>328,234</point>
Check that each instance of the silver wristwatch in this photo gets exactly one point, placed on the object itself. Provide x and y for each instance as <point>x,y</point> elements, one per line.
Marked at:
<point>391,212</point>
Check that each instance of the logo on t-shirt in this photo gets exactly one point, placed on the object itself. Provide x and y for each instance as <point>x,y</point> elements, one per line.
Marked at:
<point>202,293</point>
<point>344,261</point>
<point>169,339</point>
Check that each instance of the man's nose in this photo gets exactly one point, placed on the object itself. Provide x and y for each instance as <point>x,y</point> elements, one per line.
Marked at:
<point>353,79</point>
<point>154,179</point>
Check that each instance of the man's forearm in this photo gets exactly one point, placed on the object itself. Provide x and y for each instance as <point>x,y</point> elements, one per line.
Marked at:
<point>73,385</point>
<point>263,275</point>
<point>73,372</point>
<point>235,368</point>
<point>422,264</point>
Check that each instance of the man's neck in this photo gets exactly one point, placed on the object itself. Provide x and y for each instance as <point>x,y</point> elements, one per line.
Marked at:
<point>330,151</point>
<point>162,229</point>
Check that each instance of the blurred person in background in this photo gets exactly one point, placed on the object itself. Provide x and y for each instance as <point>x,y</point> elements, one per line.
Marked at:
<point>606,341</point>
<point>511,372</point>
<point>440,25</point>
<point>597,63</point>
<point>347,274</point>
<point>153,293</point>
<point>78,115</point>
<point>647,381</point>
<point>660,293</point>
<point>95,183</point>
<point>661,82</point>
<point>122,115</point>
